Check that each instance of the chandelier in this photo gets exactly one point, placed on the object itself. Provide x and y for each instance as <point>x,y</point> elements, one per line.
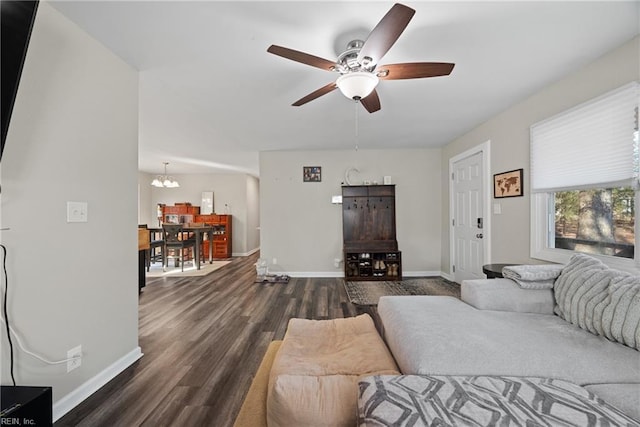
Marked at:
<point>165,180</point>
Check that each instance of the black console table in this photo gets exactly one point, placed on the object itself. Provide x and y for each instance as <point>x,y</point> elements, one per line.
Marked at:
<point>494,270</point>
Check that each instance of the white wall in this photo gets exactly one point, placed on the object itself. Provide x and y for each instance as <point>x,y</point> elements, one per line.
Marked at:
<point>509,135</point>
<point>73,137</point>
<point>146,209</point>
<point>302,229</point>
<point>253,213</point>
<point>228,189</point>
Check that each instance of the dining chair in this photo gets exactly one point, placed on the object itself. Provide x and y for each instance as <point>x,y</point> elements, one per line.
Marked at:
<point>156,248</point>
<point>203,241</point>
<point>173,243</point>
<point>151,254</point>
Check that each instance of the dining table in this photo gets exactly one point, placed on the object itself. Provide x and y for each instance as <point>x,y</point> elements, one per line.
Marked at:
<point>198,232</point>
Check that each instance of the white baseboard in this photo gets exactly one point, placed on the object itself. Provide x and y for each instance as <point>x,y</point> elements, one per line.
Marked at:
<point>251,252</point>
<point>327,274</point>
<point>447,276</point>
<point>73,399</point>
<point>421,274</point>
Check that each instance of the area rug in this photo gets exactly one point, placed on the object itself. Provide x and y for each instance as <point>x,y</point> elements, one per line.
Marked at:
<point>189,270</point>
<point>368,293</point>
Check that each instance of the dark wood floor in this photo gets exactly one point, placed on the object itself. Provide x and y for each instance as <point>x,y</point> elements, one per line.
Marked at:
<point>203,339</point>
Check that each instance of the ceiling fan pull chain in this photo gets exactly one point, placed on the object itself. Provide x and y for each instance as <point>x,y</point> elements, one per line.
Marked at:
<point>355,104</point>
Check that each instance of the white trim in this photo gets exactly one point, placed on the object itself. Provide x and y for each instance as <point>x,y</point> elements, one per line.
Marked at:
<point>251,252</point>
<point>539,225</point>
<point>421,273</point>
<point>447,276</point>
<point>77,396</point>
<point>328,274</point>
<point>485,150</point>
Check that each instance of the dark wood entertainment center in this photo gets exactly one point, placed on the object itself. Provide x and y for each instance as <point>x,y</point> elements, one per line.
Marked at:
<point>369,233</point>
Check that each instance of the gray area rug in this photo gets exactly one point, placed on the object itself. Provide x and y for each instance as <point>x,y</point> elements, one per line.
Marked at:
<point>368,293</point>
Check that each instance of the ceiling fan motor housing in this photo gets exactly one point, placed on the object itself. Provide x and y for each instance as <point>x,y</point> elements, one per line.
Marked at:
<point>348,60</point>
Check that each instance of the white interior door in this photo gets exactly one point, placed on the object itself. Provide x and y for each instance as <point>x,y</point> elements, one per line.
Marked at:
<point>468,221</point>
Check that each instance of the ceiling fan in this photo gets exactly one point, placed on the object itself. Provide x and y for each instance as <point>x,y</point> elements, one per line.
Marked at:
<point>358,64</point>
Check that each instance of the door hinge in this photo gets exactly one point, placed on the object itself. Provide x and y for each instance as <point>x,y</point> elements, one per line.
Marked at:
<point>453,222</point>
<point>454,268</point>
<point>453,176</point>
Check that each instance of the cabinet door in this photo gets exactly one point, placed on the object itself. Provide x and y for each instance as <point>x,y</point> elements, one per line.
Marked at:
<point>354,218</point>
<point>368,213</point>
<point>383,220</point>
<point>220,249</point>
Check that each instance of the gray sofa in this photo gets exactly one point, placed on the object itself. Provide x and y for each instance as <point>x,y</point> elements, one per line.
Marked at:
<point>502,329</point>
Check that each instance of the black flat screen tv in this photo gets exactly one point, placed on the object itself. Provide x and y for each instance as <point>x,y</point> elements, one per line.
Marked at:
<point>16,23</point>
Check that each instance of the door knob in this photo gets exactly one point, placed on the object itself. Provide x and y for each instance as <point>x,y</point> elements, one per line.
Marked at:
<point>479,235</point>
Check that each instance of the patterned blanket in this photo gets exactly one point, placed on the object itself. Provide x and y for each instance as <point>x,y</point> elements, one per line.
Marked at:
<point>533,276</point>
<point>421,400</point>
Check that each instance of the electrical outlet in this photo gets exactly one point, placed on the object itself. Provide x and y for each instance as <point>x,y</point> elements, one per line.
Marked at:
<point>275,261</point>
<point>77,211</point>
<point>75,356</point>
<point>336,262</point>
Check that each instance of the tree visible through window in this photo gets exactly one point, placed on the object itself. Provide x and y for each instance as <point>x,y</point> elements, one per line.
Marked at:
<point>596,221</point>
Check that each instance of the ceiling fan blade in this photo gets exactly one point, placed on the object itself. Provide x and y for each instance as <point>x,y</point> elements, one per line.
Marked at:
<point>371,102</point>
<point>414,70</point>
<point>315,94</point>
<point>385,34</point>
<point>302,57</point>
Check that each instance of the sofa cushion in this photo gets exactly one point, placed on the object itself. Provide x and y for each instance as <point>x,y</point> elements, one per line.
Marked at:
<point>625,397</point>
<point>506,295</point>
<point>444,336</point>
<point>313,380</point>
<point>600,300</point>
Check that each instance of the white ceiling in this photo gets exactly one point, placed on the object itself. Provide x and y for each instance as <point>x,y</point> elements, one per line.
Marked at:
<point>211,97</point>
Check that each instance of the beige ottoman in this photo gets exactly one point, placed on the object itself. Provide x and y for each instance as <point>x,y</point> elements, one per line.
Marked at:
<point>314,377</point>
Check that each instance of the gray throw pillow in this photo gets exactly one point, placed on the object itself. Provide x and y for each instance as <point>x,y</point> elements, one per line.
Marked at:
<point>601,300</point>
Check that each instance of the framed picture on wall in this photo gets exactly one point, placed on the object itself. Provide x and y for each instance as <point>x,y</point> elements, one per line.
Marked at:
<point>206,203</point>
<point>508,184</point>
<point>172,219</point>
<point>311,174</point>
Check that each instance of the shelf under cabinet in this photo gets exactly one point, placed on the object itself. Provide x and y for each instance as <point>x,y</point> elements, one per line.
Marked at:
<point>371,265</point>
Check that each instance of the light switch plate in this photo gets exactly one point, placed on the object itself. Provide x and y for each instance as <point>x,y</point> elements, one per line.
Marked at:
<point>77,211</point>
<point>336,200</point>
<point>497,208</point>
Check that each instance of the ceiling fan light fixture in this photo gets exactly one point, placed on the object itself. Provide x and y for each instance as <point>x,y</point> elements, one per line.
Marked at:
<point>357,84</point>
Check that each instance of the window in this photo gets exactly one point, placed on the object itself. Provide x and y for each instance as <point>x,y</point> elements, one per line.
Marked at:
<point>596,221</point>
<point>585,165</point>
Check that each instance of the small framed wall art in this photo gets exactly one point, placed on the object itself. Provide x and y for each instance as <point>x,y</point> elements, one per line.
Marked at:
<point>206,204</point>
<point>311,174</point>
<point>508,184</point>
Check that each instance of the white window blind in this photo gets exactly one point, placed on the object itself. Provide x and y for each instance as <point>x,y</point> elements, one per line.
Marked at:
<point>594,144</point>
